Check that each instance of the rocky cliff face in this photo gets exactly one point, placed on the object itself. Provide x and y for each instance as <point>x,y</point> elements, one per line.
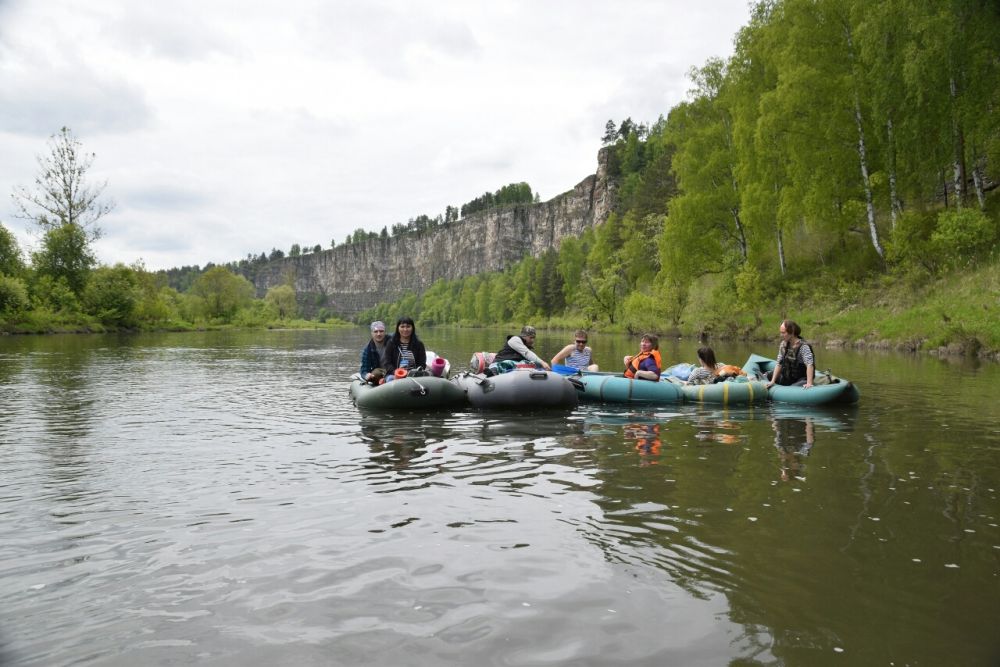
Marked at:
<point>353,277</point>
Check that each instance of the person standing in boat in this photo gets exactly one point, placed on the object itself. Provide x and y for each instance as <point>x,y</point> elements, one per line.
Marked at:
<point>577,354</point>
<point>521,348</point>
<point>796,363</point>
<point>647,364</point>
<point>375,353</point>
<point>405,349</point>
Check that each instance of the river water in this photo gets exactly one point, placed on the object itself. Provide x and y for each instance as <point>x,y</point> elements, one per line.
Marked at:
<point>215,498</point>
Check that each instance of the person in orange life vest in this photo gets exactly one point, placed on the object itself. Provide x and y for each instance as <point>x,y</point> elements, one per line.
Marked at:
<point>647,364</point>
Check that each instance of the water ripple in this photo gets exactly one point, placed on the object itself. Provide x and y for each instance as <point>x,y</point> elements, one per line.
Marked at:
<point>217,498</point>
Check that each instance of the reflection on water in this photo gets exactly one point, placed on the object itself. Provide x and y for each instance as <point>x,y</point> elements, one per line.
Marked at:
<point>217,498</point>
<point>794,439</point>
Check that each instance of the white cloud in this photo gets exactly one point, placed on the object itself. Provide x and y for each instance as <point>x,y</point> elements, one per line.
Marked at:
<point>229,128</point>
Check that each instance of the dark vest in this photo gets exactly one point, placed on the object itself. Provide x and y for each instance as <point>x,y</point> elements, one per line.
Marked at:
<point>792,368</point>
<point>507,353</point>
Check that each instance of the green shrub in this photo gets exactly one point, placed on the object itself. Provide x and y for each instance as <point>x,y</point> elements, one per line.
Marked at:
<point>54,293</point>
<point>256,314</point>
<point>13,295</point>
<point>112,295</point>
<point>910,244</point>
<point>962,236</point>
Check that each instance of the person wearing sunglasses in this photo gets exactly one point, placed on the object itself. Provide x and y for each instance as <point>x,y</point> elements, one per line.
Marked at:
<point>576,354</point>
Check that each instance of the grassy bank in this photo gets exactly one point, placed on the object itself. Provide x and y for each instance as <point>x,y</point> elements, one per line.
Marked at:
<point>957,314</point>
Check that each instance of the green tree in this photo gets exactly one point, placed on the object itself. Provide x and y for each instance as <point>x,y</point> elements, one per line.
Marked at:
<point>158,303</point>
<point>640,258</point>
<point>282,300</point>
<point>706,215</point>
<point>222,293</point>
<point>602,293</point>
<point>65,255</point>
<point>11,262</point>
<point>62,195</point>
<point>500,302</point>
<point>482,308</point>
<point>112,295</point>
<point>550,285</point>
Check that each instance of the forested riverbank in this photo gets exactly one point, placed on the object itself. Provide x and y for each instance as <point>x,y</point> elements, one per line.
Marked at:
<point>840,168</point>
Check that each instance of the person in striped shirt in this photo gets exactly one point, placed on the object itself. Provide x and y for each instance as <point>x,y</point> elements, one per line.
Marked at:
<point>576,354</point>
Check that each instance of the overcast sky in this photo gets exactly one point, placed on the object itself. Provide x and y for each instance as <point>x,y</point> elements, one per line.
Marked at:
<point>232,127</point>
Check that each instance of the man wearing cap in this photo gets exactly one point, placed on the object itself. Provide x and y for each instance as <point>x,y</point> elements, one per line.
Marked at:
<point>520,348</point>
<point>374,355</point>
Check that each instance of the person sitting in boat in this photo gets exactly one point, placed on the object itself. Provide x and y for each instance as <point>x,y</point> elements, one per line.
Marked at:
<point>647,364</point>
<point>405,349</point>
<point>796,363</point>
<point>708,367</point>
<point>576,354</point>
<point>520,348</point>
<point>375,353</point>
<point>709,371</point>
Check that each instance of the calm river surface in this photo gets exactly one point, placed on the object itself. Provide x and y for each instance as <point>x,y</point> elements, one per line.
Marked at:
<point>216,498</point>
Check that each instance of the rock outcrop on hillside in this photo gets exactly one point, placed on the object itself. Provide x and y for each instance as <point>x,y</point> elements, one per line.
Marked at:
<point>350,278</point>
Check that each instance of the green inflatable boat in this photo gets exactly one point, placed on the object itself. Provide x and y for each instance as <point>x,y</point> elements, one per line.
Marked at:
<point>616,388</point>
<point>830,390</point>
<point>409,393</point>
<point>730,392</point>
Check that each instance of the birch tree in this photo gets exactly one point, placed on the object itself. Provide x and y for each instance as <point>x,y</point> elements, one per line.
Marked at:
<point>705,216</point>
<point>61,195</point>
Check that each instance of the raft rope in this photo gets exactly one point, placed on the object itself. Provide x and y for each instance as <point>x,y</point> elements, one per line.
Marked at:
<point>422,390</point>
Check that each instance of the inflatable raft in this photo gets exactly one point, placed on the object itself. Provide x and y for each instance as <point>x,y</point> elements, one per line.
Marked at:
<point>730,392</point>
<point>522,388</point>
<point>409,393</point>
<point>616,388</point>
<point>837,391</point>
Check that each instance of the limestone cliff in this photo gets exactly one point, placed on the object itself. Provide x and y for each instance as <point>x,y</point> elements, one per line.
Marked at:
<point>356,276</point>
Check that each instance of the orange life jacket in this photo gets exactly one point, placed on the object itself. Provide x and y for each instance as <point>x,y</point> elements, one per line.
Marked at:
<point>729,370</point>
<point>633,364</point>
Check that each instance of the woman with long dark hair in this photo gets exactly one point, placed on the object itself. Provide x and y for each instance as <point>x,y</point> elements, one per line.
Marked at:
<point>404,346</point>
<point>707,369</point>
